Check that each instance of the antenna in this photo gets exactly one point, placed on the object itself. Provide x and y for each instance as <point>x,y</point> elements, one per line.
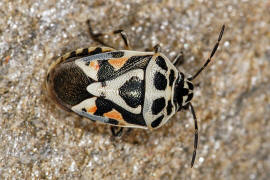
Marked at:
<point>196,134</point>
<point>212,54</point>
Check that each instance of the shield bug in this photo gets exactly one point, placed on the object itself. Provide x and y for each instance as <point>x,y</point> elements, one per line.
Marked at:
<point>123,88</point>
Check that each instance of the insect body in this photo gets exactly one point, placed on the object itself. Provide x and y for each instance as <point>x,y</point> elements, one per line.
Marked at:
<point>122,87</point>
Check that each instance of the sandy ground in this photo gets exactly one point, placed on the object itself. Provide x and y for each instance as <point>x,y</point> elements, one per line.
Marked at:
<point>232,97</point>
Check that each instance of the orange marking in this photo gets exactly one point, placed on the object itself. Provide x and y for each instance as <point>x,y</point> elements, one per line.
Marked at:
<point>114,115</point>
<point>118,63</point>
<point>94,65</point>
<point>92,109</point>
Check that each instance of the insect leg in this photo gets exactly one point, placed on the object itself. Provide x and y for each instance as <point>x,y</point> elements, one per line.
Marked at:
<point>123,36</point>
<point>156,49</point>
<point>96,36</point>
<point>179,59</point>
<point>196,134</point>
<point>115,132</point>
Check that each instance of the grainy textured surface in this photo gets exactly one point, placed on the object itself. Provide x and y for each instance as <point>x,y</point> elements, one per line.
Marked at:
<point>232,100</point>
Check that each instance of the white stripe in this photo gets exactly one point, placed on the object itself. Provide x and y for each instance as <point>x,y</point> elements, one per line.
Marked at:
<point>111,90</point>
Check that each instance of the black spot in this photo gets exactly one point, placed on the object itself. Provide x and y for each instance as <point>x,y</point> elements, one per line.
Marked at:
<point>96,51</point>
<point>184,92</point>
<point>103,106</point>
<point>117,54</point>
<point>160,81</point>
<point>83,53</point>
<point>161,63</point>
<point>72,54</point>
<point>158,105</point>
<point>190,96</point>
<point>83,109</point>
<point>132,92</point>
<point>171,77</point>
<point>190,85</point>
<point>169,108</point>
<point>157,121</point>
<point>112,121</point>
